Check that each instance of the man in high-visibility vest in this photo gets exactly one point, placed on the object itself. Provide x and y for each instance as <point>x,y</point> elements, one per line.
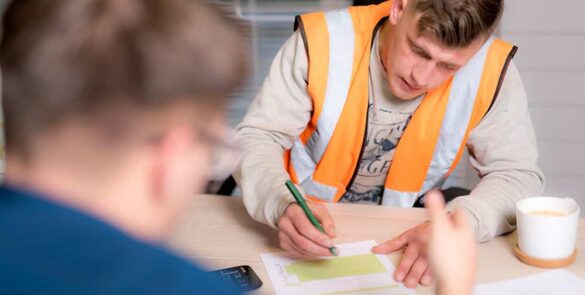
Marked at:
<point>376,105</point>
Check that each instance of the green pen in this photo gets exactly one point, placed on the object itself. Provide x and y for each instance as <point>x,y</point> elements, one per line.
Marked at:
<point>301,202</point>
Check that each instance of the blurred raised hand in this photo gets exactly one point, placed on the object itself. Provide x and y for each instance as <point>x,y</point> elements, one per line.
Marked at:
<point>452,250</point>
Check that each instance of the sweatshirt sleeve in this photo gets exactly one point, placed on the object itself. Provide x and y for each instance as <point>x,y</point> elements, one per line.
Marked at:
<point>503,151</point>
<point>278,114</point>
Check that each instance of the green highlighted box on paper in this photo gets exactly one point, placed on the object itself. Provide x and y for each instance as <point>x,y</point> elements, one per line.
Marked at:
<point>336,267</point>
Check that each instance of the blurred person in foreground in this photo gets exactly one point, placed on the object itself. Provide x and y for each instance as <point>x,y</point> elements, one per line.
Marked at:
<point>112,111</point>
<point>452,251</point>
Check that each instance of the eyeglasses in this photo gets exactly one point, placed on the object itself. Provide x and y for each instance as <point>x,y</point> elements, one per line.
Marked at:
<point>224,152</point>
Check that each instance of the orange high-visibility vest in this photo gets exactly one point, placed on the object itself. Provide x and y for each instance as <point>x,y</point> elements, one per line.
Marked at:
<point>324,159</point>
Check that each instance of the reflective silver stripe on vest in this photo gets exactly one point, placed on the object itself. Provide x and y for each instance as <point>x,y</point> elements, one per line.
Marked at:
<point>398,199</point>
<point>318,190</point>
<point>341,51</point>
<point>304,167</point>
<point>457,115</point>
<point>302,162</point>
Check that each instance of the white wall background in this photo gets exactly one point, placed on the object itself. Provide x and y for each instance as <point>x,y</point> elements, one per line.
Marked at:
<point>551,59</point>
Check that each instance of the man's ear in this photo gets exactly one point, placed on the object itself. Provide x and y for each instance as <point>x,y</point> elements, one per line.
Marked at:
<point>166,154</point>
<point>398,8</point>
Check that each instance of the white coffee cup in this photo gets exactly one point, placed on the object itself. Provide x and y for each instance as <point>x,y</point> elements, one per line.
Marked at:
<point>547,227</point>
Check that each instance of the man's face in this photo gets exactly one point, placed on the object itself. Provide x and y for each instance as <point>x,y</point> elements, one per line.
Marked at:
<point>416,64</point>
<point>187,166</point>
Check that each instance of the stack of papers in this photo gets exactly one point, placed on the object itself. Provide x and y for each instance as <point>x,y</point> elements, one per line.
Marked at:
<point>355,271</point>
<point>358,271</point>
<point>552,282</point>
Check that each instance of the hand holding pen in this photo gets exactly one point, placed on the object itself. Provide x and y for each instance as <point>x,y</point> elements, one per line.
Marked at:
<point>299,235</point>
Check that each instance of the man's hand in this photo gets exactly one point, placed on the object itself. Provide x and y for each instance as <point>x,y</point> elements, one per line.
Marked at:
<point>299,236</point>
<point>452,248</point>
<point>414,265</point>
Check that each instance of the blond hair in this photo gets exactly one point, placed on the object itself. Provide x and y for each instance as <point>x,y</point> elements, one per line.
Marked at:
<point>457,23</point>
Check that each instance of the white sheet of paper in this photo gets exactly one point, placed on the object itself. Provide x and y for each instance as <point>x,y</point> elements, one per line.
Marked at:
<point>355,271</point>
<point>552,282</point>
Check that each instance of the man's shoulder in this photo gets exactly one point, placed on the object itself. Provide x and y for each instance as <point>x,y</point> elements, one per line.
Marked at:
<point>46,248</point>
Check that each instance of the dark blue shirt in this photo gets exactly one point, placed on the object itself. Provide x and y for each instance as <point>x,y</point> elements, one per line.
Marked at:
<point>47,248</point>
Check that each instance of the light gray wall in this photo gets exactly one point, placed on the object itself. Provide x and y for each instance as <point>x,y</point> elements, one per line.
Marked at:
<point>551,58</point>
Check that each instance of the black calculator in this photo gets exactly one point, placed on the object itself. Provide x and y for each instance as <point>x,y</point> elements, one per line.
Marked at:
<point>242,276</point>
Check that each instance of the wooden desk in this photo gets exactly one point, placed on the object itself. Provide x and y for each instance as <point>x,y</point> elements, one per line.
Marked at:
<point>218,232</point>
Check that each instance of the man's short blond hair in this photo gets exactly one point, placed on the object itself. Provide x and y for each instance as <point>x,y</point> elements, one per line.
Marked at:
<point>457,23</point>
